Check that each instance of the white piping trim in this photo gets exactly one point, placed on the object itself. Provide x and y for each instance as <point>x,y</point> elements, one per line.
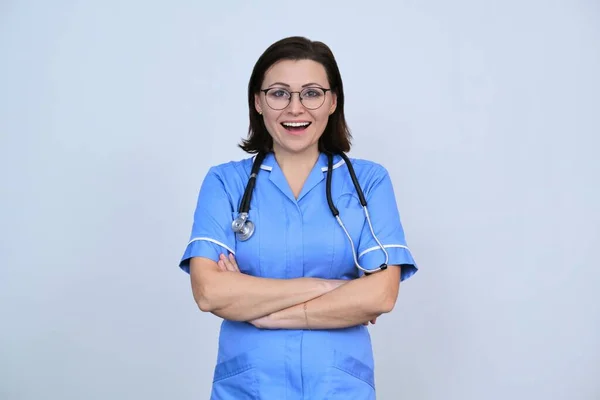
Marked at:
<point>387,246</point>
<point>323,169</point>
<point>338,164</point>
<point>206,239</point>
<point>262,166</point>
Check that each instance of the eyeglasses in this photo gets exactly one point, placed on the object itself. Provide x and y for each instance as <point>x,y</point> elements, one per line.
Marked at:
<point>310,97</point>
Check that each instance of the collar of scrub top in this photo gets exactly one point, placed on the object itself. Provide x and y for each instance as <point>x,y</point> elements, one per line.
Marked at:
<point>314,178</point>
<point>269,161</point>
<point>324,163</point>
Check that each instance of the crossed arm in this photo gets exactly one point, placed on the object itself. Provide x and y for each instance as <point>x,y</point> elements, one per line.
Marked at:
<point>298,303</point>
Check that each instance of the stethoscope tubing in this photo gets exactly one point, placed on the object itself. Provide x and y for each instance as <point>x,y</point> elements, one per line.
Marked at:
<point>244,228</point>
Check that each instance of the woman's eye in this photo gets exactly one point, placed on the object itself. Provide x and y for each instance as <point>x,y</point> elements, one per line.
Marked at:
<point>312,93</point>
<point>279,93</point>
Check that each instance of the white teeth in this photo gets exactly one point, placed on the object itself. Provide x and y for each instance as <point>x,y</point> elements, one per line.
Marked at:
<point>295,124</point>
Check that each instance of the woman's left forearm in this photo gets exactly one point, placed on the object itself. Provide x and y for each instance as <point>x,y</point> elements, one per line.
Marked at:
<point>352,304</point>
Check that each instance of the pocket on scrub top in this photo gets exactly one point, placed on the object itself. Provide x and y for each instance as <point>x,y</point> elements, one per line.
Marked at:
<point>247,252</point>
<point>235,379</point>
<point>350,378</point>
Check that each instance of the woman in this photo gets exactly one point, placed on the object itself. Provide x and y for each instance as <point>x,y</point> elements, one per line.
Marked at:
<point>294,311</point>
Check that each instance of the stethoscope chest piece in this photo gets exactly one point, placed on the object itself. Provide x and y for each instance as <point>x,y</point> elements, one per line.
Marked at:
<point>242,227</point>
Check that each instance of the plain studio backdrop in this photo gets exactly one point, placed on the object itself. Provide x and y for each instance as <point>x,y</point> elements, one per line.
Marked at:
<point>486,115</point>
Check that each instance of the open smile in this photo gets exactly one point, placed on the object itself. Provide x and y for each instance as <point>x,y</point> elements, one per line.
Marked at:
<point>296,127</point>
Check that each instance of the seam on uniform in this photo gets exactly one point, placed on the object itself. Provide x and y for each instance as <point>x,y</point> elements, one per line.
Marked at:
<point>360,378</point>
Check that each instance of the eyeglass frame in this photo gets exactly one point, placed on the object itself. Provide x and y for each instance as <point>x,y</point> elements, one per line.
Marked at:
<point>299,97</point>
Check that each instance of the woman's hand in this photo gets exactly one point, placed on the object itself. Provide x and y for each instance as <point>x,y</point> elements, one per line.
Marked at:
<point>228,263</point>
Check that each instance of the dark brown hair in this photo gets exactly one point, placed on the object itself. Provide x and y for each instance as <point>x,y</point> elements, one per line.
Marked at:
<point>336,137</point>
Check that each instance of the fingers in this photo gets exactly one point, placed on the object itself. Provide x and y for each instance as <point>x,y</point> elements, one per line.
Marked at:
<point>233,262</point>
<point>228,263</point>
<point>221,264</point>
<point>225,263</point>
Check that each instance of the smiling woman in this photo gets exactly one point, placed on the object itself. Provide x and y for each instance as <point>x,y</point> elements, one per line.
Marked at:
<point>291,257</point>
<point>295,123</point>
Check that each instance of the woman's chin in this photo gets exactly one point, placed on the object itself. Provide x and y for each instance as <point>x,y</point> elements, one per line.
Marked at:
<point>297,146</point>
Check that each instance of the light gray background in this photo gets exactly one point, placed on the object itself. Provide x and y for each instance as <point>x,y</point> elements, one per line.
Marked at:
<point>486,114</point>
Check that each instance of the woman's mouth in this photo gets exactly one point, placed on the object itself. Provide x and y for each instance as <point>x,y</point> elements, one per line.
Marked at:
<point>295,127</point>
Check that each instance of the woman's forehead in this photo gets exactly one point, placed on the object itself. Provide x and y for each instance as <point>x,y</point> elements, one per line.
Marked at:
<point>296,73</point>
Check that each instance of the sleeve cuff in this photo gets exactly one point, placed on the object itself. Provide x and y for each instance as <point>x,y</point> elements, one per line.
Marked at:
<point>203,247</point>
<point>398,255</point>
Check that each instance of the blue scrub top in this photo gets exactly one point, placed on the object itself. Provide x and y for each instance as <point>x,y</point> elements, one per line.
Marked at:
<point>297,238</point>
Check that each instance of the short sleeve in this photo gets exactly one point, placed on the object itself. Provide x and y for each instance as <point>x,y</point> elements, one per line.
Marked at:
<point>385,219</point>
<point>211,230</point>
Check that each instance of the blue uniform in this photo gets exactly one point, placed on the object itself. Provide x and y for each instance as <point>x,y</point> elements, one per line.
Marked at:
<point>297,238</point>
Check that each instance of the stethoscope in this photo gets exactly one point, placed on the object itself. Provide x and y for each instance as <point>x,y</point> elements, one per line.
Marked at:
<point>244,228</point>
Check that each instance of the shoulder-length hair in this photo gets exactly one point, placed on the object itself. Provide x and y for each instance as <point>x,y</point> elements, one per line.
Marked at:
<point>336,138</point>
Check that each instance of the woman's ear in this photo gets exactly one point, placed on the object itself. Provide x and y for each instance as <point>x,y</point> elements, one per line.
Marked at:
<point>333,103</point>
<point>257,105</point>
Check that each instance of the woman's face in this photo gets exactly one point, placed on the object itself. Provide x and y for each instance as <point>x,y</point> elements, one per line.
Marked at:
<point>295,127</point>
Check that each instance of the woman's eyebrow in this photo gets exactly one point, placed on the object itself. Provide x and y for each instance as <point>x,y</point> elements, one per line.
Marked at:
<point>286,85</point>
<point>279,84</point>
<point>312,84</point>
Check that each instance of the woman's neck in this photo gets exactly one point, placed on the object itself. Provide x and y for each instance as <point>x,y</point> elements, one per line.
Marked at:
<point>296,162</point>
<point>296,167</point>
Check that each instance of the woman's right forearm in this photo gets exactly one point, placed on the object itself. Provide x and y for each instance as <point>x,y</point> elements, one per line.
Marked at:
<point>239,297</point>
<point>242,297</point>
